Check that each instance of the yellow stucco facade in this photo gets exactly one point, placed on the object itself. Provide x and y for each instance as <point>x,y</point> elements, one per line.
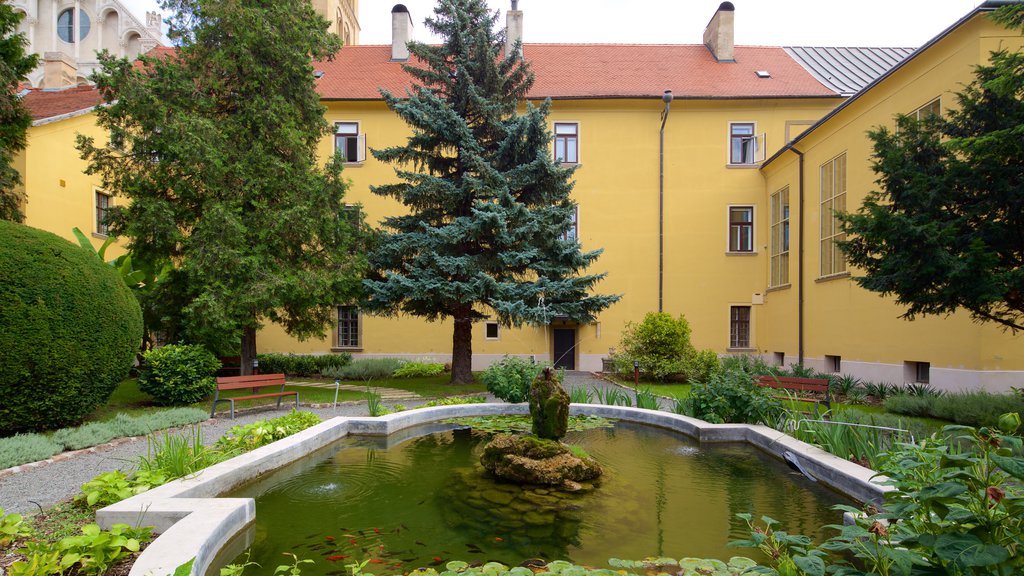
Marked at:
<point>617,189</point>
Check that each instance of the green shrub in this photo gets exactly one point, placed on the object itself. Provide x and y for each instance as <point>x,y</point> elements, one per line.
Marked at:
<point>510,378</point>
<point>452,401</point>
<point>366,369</point>
<point>91,434</point>
<point>978,408</point>
<point>178,374</point>
<point>24,448</point>
<point>302,364</point>
<point>71,329</point>
<point>419,370</point>
<point>659,343</point>
<point>701,366</point>
<point>733,397</point>
<point>245,437</point>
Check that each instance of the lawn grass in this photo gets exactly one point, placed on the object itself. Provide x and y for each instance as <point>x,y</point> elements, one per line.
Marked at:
<point>427,387</point>
<point>670,390</point>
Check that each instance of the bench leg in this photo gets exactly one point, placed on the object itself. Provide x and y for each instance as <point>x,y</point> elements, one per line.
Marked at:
<point>232,409</point>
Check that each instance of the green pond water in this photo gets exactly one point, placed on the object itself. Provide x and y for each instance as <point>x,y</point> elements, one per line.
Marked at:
<point>421,499</point>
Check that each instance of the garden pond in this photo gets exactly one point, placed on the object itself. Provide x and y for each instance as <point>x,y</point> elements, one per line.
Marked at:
<point>421,498</point>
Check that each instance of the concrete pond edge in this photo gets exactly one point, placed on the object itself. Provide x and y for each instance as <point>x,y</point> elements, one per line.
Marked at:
<point>194,522</point>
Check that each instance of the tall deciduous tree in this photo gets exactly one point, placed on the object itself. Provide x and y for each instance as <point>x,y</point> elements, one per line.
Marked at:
<point>487,231</point>
<point>213,148</point>
<point>946,229</point>
<point>15,64</point>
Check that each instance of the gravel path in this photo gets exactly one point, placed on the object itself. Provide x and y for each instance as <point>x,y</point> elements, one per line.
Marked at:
<point>45,485</point>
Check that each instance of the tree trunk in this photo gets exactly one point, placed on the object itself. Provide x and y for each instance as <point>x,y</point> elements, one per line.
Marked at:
<point>248,354</point>
<point>462,350</point>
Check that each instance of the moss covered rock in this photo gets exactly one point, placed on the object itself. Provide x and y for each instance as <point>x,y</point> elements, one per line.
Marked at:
<point>532,460</point>
<point>549,408</point>
<point>70,330</point>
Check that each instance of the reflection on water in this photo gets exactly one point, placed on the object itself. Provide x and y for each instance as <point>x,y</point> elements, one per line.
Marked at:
<point>425,501</point>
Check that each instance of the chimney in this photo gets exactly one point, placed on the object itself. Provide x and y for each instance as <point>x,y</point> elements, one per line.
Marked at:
<point>59,70</point>
<point>719,35</point>
<point>513,28</point>
<point>401,32</point>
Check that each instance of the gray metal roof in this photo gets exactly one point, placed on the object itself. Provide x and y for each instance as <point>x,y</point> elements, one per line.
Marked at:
<point>847,70</point>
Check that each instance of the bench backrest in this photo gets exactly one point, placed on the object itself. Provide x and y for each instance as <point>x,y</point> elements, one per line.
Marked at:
<point>793,383</point>
<point>254,381</point>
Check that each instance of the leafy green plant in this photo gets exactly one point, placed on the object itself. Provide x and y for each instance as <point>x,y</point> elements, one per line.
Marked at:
<point>581,395</point>
<point>13,527</point>
<point>612,396</point>
<point>679,405</point>
<point>733,397</point>
<point>365,369</point>
<point>659,343</point>
<point>454,400</point>
<point>790,554</point>
<point>977,408</point>
<point>801,371</point>
<point>419,369</point>
<point>295,568</point>
<point>375,404</point>
<point>510,378</point>
<point>245,437</point>
<point>646,398</point>
<point>235,569</point>
<point>106,489</point>
<point>95,550</point>
<point>22,448</point>
<point>917,389</point>
<point>880,390</point>
<point>749,364</point>
<point>178,373</point>
<point>302,364</point>
<point>41,559</point>
<point>179,455</point>
<point>844,384</point>
<point>701,366</point>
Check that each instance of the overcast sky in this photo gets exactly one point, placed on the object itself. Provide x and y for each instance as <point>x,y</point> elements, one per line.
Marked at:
<point>758,22</point>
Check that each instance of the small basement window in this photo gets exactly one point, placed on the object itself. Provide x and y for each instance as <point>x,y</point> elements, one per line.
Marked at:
<point>833,364</point>
<point>491,330</point>
<point>919,372</point>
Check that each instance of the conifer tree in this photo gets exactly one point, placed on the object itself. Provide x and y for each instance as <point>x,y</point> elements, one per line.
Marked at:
<point>488,228</point>
<point>15,64</point>
<point>946,229</point>
<point>213,148</point>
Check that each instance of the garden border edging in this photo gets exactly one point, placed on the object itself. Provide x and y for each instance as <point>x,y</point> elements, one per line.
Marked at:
<point>193,522</point>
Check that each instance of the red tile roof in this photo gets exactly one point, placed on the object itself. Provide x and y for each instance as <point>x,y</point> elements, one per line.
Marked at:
<point>600,71</point>
<point>49,103</point>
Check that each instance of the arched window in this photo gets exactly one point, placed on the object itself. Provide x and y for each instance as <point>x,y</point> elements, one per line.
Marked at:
<point>66,25</point>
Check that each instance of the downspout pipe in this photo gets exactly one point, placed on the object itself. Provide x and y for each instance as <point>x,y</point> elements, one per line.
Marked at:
<point>667,99</point>
<point>800,262</point>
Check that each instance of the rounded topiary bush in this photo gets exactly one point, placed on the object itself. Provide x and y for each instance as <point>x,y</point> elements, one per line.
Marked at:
<point>70,330</point>
<point>178,374</point>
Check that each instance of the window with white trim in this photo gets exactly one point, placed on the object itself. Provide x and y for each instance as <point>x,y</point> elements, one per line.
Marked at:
<point>348,327</point>
<point>103,204</point>
<point>741,228</point>
<point>739,327</point>
<point>573,232</point>
<point>780,238</point>
<point>933,108</point>
<point>567,142</point>
<point>349,142</point>
<point>745,146</point>
<point>833,200</point>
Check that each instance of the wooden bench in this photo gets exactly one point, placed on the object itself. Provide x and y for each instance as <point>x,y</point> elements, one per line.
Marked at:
<point>800,385</point>
<point>255,382</point>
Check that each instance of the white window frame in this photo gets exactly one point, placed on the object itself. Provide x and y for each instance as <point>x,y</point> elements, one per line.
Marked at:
<point>729,224</point>
<point>831,259</point>
<point>750,327</point>
<point>917,114</point>
<point>758,141</point>
<point>96,193</point>
<point>360,141</point>
<point>497,330</point>
<point>778,246</point>
<point>554,141</point>
<point>575,235</point>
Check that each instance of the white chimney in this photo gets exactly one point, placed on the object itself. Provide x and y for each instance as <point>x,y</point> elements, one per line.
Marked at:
<point>401,32</point>
<point>719,35</point>
<point>513,27</point>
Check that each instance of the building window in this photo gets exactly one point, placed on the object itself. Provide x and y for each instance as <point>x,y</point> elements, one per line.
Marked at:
<point>573,233</point>
<point>739,327</point>
<point>349,142</point>
<point>833,199</point>
<point>66,25</point>
<point>741,229</point>
<point>742,143</point>
<point>780,238</point>
<point>567,142</point>
<point>780,358</point>
<point>919,372</point>
<point>348,327</point>
<point>103,205</point>
<point>491,330</point>
<point>930,109</point>
<point>833,364</point>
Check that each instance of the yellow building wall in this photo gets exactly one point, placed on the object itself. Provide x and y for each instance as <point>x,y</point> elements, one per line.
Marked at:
<point>60,195</point>
<point>862,327</point>
<point>616,187</point>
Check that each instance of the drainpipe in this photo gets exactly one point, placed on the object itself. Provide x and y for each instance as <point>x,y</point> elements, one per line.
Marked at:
<point>800,263</point>
<point>667,99</point>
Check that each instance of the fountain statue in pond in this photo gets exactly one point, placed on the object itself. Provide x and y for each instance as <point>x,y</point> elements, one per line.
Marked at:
<point>541,458</point>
